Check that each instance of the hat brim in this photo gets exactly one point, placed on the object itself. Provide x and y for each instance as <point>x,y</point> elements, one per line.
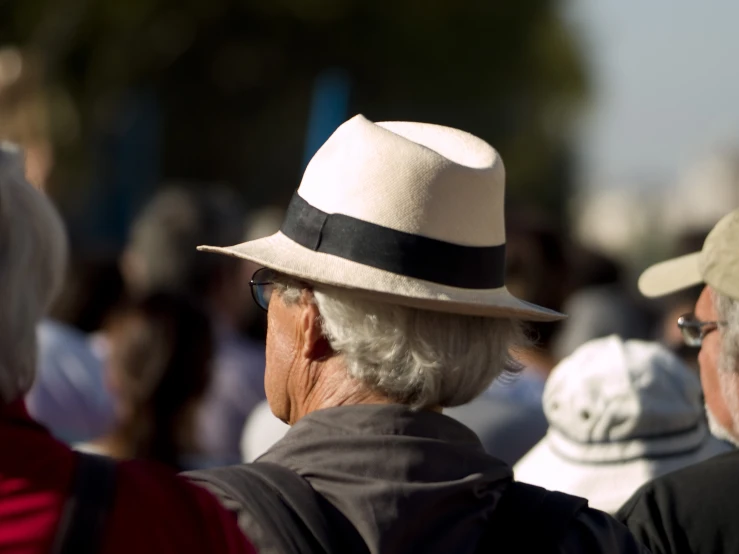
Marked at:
<point>286,256</point>
<point>671,276</point>
<point>607,485</point>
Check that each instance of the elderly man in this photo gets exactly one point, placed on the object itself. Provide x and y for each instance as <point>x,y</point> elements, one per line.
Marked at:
<point>386,303</point>
<point>51,499</point>
<point>693,510</point>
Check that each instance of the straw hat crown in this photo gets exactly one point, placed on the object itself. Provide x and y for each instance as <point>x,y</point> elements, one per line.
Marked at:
<point>422,179</point>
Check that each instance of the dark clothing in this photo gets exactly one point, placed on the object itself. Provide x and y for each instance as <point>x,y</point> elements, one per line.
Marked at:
<point>415,481</point>
<point>153,510</point>
<point>693,510</point>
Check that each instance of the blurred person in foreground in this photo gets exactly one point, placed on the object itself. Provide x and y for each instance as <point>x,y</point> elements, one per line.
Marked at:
<point>51,498</point>
<point>694,510</point>
<point>386,303</point>
<point>158,371</point>
<point>620,413</point>
<point>161,257</point>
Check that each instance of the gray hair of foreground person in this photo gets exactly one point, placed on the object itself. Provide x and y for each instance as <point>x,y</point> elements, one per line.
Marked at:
<point>420,358</point>
<point>33,254</point>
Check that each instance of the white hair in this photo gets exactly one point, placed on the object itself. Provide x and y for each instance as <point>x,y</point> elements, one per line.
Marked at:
<point>416,357</point>
<point>33,253</point>
<point>717,429</point>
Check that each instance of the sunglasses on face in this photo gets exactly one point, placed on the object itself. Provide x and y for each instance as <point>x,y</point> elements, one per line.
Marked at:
<point>262,286</point>
<point>694,330</point>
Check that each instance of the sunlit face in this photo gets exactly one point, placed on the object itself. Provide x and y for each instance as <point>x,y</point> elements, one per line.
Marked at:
<point>709,360</point>
<point>283,348</point>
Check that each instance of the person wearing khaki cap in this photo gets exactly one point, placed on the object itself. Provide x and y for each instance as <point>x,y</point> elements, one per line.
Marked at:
<point>386,302</point>
<point>695,510</point>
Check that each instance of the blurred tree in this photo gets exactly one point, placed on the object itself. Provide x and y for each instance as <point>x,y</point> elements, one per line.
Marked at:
<point>231,82</point>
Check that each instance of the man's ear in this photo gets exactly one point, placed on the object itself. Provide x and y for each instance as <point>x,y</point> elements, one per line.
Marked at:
<point>315,345</point>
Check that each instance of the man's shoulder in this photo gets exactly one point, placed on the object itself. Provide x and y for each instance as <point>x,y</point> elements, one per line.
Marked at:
<point>566,521</point>
<point>593,531</point>
<point>707,479</point>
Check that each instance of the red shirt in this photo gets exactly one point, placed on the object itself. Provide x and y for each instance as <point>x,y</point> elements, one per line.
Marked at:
<point>154,511</point>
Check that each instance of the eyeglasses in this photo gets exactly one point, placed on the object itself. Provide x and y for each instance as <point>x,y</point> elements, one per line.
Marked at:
<point>695,330</point>
<point>262,285</point>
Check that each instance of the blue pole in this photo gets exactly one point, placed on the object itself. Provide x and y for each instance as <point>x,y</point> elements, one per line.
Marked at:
<point>328,110</point>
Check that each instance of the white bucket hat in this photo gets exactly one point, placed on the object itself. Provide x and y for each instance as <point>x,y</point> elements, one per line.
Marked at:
<point>620,414</point>
<point>408,213</point>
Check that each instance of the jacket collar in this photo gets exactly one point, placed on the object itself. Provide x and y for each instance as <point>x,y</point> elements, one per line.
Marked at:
<point>358,438</point>
<point>383,466</point>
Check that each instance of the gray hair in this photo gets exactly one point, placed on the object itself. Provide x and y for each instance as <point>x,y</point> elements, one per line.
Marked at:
<point>416,357</point>
<point>33,254</point>
<point>727,310</point>
<point>168,230</point>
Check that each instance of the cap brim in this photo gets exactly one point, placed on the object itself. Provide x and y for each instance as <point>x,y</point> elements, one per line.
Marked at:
<point>280,253</point>
<point>671,276</point>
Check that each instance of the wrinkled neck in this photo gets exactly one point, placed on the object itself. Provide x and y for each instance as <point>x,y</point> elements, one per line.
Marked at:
<point>327,384</point>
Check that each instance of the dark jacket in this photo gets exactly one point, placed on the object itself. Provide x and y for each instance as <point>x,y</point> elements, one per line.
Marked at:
<point>693,510</point>
<point>415,481</point>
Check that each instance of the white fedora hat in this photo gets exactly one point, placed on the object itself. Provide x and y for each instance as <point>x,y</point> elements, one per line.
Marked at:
<point>407,213</point>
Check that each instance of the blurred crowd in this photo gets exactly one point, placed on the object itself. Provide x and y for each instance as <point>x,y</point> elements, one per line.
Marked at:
<point>156,353</point>
<point>122,326</point>
<point>120,356</point>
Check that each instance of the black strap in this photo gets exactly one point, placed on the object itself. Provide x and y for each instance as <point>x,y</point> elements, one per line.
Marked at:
<point>524,508</point>
<point>86,509</point>
<point>283,512</point>
<point>302,500</point>
<point>438,261</point>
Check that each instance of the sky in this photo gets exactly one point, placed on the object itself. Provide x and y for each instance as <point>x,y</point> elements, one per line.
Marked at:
<point>665,81</point>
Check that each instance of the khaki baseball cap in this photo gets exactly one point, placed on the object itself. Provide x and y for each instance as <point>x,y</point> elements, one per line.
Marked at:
<point>716,265</point>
